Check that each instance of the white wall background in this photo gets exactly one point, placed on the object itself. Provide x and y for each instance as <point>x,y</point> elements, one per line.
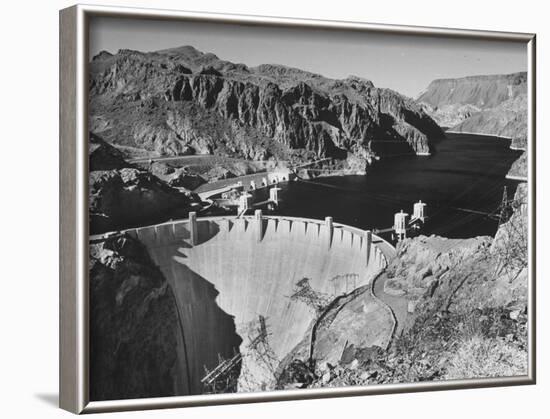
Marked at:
<point>29,207</point>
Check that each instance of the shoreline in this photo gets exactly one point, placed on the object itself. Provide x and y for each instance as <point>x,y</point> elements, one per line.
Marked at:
<point>317,174</point>
<point>518,178</point>
<point>504,137</point>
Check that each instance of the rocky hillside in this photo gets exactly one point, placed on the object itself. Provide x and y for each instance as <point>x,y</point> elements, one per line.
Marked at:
<point>135,337</point>
<point>508,119</point>
<point>121,195</point>
<point>484,92</point>
<point>183,101</point>
<point>465,316</point>
<point>103,156</point>
<point>519,169</point>
<point>492,104</point>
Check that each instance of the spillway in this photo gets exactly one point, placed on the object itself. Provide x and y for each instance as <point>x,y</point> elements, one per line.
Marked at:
<point>227,271</point>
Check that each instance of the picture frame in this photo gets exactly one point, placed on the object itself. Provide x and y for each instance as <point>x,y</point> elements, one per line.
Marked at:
<point>74,199</point>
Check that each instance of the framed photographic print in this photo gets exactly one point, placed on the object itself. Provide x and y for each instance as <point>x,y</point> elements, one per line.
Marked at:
<point>258,209</point>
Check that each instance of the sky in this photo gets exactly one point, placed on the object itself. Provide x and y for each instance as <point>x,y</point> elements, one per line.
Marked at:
<point>406,64</point>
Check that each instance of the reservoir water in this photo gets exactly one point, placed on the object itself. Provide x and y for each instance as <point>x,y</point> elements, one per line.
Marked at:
<point>465,171</point>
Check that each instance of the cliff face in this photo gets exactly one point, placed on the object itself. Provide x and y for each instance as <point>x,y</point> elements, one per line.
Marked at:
<point>508,119</point>
<point>183,101</point>
<point>466,274</point>
<point>493,104</point>
<point>103,156</point>
<point>450,115</point>
<point>519,169</point>
<point>484,92</point>
<point>135,337</point>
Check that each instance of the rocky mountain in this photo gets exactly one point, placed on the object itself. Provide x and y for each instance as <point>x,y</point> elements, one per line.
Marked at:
<point>491,104</point>
<point>484,92</point>
<point>183,101</point>
<point>508,119</point>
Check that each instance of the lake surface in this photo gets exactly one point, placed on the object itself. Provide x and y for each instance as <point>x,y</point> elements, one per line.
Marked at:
<point>465,171</point>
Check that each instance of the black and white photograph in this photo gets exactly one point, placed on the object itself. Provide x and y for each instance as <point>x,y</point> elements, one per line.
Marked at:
<point>277,210</point>
<point>292,208</point>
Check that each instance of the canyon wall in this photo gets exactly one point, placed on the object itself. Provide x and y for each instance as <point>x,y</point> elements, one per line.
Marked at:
<point>491,104</point>
<point>183,101</point>
<point>136,345</point>
<point>484,92</point>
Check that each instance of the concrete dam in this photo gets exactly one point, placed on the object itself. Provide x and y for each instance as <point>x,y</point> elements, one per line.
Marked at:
<point>235,277</point>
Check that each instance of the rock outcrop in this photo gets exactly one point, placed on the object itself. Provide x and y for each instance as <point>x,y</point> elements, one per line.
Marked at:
<point>103,156</point>
<point>508,119</point>
<point>519,169</point>
<point>464,273</point>
<point>135,336</point>
<point>122,195</point>
<point>450,115</point>
<point>183,101</point>
<point>127,197</point>
<point>176,176</point>
<point>484,92</point>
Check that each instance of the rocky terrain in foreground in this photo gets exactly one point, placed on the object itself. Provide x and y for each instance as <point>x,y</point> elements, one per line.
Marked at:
<point>182,101</point>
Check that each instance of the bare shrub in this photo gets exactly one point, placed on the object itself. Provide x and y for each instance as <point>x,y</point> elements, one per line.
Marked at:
<point>511,241</point>
<point>480,357</point>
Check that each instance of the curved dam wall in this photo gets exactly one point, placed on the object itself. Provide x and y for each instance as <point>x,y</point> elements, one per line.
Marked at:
<point>227,271</point>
